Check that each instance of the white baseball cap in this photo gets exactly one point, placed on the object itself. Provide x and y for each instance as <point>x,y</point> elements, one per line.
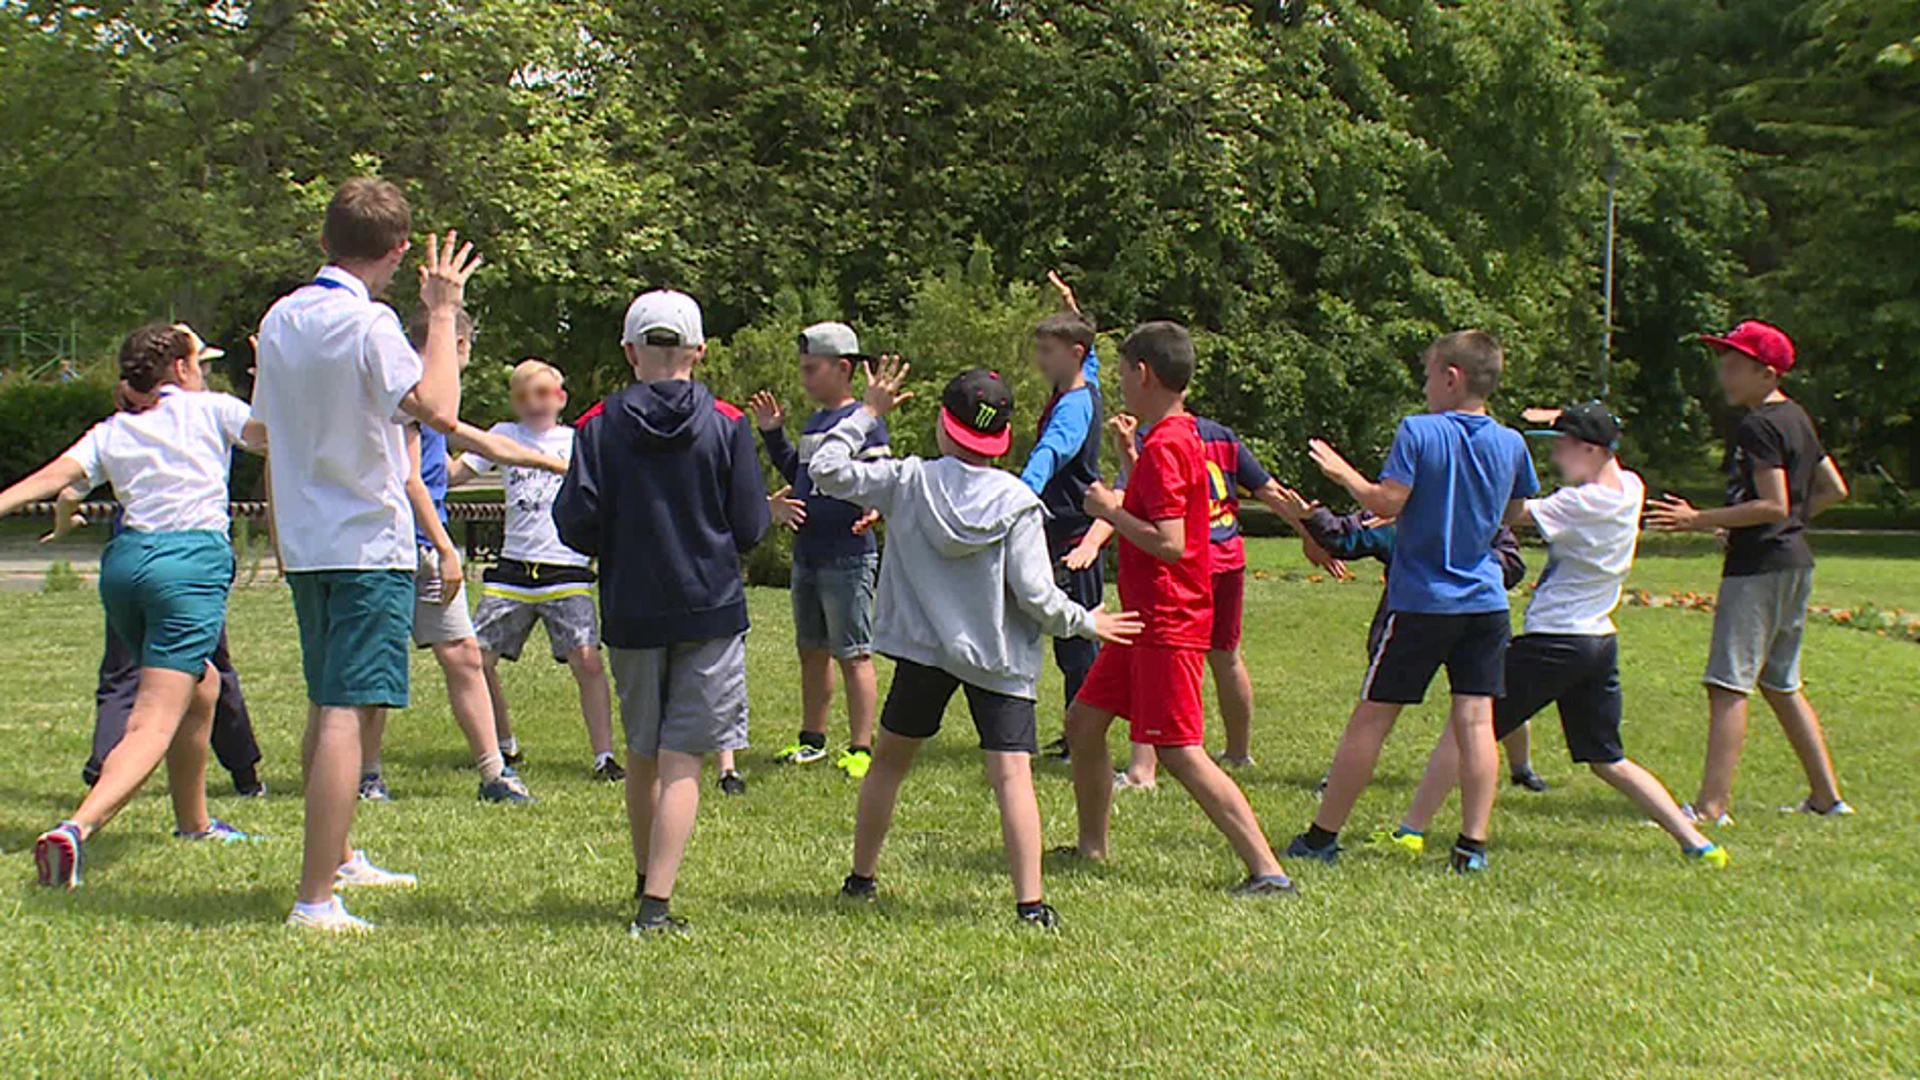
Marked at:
<point>831,339</point>
<point>661,314</point>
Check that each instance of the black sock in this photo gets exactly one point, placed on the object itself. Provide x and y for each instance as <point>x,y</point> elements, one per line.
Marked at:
<point>860,881</point>
<point>815,739</point>
<point>652,907</point>
<point>1478,847</point>
<point>246,777</point>
<point>1030,907</point>
<point>867,750</point>
<point>1320,839</point>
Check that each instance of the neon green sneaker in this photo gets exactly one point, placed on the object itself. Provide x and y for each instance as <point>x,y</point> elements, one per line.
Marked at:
<point>1411,844</point>
<point>801,754</point>
<point>855,763</point>
<point>1713,855</point>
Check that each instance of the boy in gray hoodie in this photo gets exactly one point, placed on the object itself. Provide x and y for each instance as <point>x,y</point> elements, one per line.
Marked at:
<point>966,597</point>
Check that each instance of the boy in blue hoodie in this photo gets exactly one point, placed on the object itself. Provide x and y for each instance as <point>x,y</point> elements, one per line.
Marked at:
<point>966,593</point>
<point>1453,477</point>
<point>664,488</point>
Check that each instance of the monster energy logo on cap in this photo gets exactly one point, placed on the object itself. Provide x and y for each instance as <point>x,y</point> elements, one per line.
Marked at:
<point>975,410</point>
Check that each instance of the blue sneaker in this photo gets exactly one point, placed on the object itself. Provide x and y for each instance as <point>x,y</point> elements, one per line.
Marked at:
<point>508,789</point>
<point>57,856</point>
<point>1298,849</point>
<point>215,830</point>
<point>1467,861</point>
<point>373,788</point>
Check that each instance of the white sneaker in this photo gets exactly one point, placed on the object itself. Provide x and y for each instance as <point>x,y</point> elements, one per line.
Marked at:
<point>1838,809</point>
<point>1230,763</point>
<point>1123,782</point>
<point>360,873</point>
<point>333,920</point>
<point>1724,821</point>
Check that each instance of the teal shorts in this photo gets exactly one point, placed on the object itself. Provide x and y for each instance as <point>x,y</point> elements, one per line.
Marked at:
<point>166,595</point>
<point>354,628</point>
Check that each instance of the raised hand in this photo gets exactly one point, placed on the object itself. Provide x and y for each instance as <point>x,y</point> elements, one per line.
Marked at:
<point>786,509</point>
<point>1101,501</point>
<point>866,521</point>
<point>1672,514</point>
<point>1065,290</point>
<point>1123,431</point>
<point>1540,416</point>
<point>1332,464</point>
<point>886,387</point>
<point>768,413</point>
<point>445,270</point>
<point>1117,627</point>
<point>1293,505</point>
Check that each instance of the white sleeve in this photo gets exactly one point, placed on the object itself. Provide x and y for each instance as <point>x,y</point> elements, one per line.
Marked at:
<point>391,366</point>
<point>1557,513</point>
<point>86,454</point>
<point>232,415</point>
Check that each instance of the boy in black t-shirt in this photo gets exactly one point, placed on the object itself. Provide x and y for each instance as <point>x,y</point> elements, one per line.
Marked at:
<point>1779,477</point>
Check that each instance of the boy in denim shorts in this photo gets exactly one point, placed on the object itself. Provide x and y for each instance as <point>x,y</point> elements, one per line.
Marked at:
<point>836,564</point>
<point>665,489</point>
<point>1779,478</point>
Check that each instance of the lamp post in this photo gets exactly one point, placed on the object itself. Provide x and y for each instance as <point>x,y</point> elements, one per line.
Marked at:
<point>1606,340</point>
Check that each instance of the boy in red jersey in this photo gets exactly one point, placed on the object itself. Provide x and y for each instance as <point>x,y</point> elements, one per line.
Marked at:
<point>1166,575</point>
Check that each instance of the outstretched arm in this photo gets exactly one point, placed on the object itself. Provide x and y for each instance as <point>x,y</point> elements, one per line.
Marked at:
<point>48,481</point>
<point>1382,498</point>
<point>500,450</point>
<point>1031,587</point>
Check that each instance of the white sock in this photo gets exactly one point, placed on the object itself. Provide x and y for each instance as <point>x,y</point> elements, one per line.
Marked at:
<point>324,907</point>
<point>490,767</point>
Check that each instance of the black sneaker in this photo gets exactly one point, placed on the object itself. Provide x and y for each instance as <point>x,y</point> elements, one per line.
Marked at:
<point>732,783</point>
<point>1266,885</point>
<point>1058,748</point>
<point>1042,916</point>
<point>513,757</point>
<point>1527,778</point>
<point>663,924</point>
<point>857,888</point>
<point>609,771</point>
<point>249,786</point>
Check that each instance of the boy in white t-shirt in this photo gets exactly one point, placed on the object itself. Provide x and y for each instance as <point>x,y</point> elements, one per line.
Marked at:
<point>1568,655</point>
<point>540,579</point>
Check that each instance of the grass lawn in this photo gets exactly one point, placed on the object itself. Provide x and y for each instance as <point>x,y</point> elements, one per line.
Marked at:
<point>1591,949</point>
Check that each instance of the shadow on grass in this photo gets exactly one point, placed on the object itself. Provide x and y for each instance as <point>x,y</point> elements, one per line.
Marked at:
<point>195,908</point>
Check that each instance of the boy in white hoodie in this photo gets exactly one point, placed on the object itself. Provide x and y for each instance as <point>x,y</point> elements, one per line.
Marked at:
<point>966,597</point>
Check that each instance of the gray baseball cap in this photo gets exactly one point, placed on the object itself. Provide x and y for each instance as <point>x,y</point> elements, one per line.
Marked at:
<point>831,339</point>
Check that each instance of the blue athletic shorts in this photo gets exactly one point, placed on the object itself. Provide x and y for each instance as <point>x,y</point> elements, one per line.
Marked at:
<point>354,629</point>
<point>166,595</point>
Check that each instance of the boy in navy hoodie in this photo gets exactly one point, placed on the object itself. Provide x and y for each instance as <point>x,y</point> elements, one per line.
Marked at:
<point>665,489</point>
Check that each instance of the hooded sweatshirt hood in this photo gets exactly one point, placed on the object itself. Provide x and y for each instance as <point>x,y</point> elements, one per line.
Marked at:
<point>965,516</point>
<point>662,417</point>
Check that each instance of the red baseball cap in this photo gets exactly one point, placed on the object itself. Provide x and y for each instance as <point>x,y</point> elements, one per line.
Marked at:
<point>1760,341</point>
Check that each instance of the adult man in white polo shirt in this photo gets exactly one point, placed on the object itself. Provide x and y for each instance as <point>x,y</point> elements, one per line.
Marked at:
<point>335,372</point>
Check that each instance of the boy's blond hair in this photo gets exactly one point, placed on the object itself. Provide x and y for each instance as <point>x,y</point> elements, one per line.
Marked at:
<point>531,369</point>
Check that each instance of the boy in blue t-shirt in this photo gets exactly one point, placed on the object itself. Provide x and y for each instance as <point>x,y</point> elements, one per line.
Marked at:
<point>836,564</point>
<point>1453,477</point>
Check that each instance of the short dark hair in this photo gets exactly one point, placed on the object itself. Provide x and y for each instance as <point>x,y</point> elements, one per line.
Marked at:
<point>417,325</point>
<point>1070,327</point>
<point>1476,354</point>
<point>367,218</point>
<point>1164,346</point>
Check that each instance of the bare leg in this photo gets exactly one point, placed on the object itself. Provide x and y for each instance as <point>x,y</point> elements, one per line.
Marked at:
<point>816,690</point>
<point>1011,776</point>
<point>373,734</point>
<point>863,699</point>
<point>1519,747</point>
<point>1442,775</point>
<point>502,718</point>
<point>723,761</point>
<point>1225,804</point>
<point>467,696</point>
<point>1235,690</point>
<point>1472,721</point>
<point>676,805</point>
<point>892,757</point>
<point>1652,797</point>
<point>1143,765</point>
<point>187,758</point>
<point>1726,733</point>
<point>1802,727</point>
<point>163,699</point>
<point>596,698</point>
<point>642,790</point>
<point>1353,762</point>
<point>333,776</point>
<point>1092,776</point>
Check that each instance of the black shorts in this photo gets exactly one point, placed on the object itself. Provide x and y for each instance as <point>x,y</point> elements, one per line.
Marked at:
<point>917,701</point>
<point>1414,645</point>
<point>1578,672</point>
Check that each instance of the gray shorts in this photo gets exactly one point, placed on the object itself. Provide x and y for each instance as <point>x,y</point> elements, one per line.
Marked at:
<point>503,624</point>
<point>1756,631</point>
<point>434,622</point>
<point>690,698</point>
<point>833,605</point>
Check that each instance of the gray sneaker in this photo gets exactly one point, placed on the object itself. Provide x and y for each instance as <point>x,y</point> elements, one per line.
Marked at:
<point>508,789</point>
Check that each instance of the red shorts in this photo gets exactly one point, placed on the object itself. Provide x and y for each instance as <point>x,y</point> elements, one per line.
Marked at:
<point>1155,687</point>
<point>1229,603</point>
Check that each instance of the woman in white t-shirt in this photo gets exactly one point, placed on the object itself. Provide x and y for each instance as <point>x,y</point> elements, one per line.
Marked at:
<point>163,579</point>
